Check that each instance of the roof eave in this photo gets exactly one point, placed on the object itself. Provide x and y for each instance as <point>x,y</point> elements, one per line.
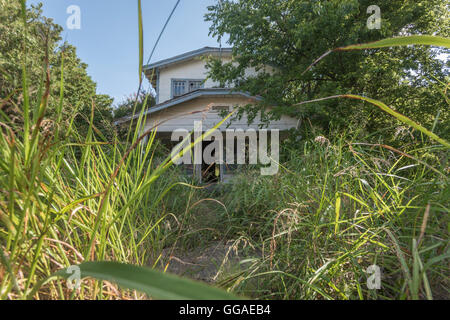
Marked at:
<point>188,97</point>
<point>184,57</point>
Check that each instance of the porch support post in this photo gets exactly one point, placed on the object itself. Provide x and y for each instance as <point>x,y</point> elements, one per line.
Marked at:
<point>198,172</point>
<point>198,151</point>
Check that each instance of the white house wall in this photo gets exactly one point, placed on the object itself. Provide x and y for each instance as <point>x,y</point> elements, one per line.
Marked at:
<point>192,69</point>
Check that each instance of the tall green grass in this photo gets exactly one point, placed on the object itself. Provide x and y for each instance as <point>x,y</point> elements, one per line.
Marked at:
<point>338,206</point>
<point>342,204</point>
<point>67,199</point>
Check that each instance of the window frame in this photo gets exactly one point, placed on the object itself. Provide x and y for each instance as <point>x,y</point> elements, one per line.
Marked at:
<point>187,82</point>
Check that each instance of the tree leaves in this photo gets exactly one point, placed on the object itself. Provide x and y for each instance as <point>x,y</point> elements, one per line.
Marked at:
<point>79,89</point>
<point>290,35</point>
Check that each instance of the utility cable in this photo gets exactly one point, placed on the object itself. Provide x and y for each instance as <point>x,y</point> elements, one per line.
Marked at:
<point>162,31</point>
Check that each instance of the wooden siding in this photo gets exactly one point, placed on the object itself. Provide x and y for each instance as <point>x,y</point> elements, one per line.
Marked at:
<point>182,116</point>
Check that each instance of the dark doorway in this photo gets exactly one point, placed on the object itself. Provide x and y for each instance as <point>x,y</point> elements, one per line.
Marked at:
<point>210,172</point>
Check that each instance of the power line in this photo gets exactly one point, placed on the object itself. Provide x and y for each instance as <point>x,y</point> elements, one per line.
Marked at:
<point>151,55</point>
<point>157,41</point>
<point>162,31</point>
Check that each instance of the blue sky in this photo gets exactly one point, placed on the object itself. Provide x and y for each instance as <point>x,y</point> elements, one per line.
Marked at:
<point>108,38</point>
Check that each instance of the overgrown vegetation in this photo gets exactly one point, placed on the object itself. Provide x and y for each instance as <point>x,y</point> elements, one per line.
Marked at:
<point>39,41</point>
<point>345,198</point>
<point>350,194</point>
<point>288,35</point>
<point>338,206</point>
<point>68,198</point>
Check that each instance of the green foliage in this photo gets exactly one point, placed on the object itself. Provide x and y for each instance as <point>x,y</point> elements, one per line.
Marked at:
<point>290,35</point>
<point>153,283</point>
<point>126,107</point>
<point>401,42</point>
<point>72,195</point>
<point>390,111</point>
<point>64,203</point>
<point>338,206</point>
<point>43,37</point>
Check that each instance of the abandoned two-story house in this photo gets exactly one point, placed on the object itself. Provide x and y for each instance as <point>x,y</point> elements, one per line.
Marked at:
<point>185,95</point>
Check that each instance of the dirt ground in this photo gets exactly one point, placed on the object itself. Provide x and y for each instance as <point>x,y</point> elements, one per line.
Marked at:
<point>208,263</point>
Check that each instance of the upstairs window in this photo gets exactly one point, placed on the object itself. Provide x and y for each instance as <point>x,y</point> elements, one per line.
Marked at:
<point>179,88</point>
<point>194,85</point>
<point>183,86</point>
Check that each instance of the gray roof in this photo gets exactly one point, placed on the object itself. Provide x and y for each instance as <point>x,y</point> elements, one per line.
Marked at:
<point>187,56</point>
<point>200,93</point>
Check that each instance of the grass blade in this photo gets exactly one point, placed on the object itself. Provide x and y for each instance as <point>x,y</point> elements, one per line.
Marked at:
<point>338,211</point>
<point>399,42</point>
<point>400,117</point>
<point>141,40</point>
<point>386,109</point>
<point>151,282</point>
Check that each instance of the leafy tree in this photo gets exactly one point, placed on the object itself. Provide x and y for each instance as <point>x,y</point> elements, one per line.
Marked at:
<point>134,103</point>
<point>42,39</point>
<point>126,107</point>
<point>289,35</point>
